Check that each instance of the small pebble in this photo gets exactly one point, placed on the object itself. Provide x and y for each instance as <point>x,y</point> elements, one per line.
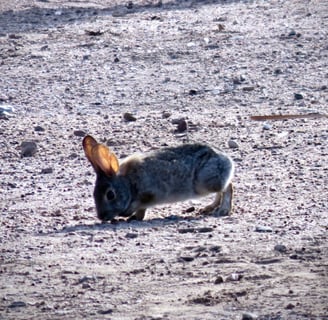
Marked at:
<point>248,89</point>
<point>234,277</point>
<point>131,235</point>
<point>266,126</point>
<point>186,258</point>
<point>39,129</point>
<point>280,248</point>
<point>46,170</point>
<point>108,311</point>
<point>292,33</point>
<point>129,117</point>
<point>79,133</point>
<point>249,316</point>
<point>166,115</point>
<point>263,229</point>
<point>219,280</point>
<point>186,230</point>
<point>233,144</point>
<point>6,110</point>
<point>17,304</point>
<point>205,229</point>
<point>278,71</point>
<point>28,149</point>
<point>94,33</point>
<point>86,286</point>
<point>298,96</point>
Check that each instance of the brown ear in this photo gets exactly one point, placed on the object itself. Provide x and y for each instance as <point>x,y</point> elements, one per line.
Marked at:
<point>105,159</point>
<point>101,158</point>
<point>88,144</point>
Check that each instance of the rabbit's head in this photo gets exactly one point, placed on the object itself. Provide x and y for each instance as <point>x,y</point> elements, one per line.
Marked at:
<point>112,194</point>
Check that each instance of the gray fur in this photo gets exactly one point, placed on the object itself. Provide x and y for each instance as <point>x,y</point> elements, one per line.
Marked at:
<point>163,176</point>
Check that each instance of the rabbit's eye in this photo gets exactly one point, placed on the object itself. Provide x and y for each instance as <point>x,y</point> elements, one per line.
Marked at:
<point>110,195</point>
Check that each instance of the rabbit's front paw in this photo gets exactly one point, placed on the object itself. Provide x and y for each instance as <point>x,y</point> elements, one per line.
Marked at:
<point>222,212</point>
<point>139,215</point>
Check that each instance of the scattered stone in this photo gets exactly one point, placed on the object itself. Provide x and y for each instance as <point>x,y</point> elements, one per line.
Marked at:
<point>249,316</point>
<point>298,96</point>
<point>39,129</point>
<point>186,258</point>
<point>278,71</point>
<point>190,209</point>
<point>249,88</point>
<point>86,286</point>
<point>263,229</point>
<point>265,261</point>
<point>28,149</point>
<point>6,110</point>
<point>280,248</point>
<point>156,18</point>
<point>239,79</point>
<point>131,235</point>
<point>73,155</point>
<point>215,248</point>
<point>186,230</point>
<point>17,304</point>
<point>290,306</point>
<point>79,133</point>
<point>116,59</point>
<point>205,229</point>
<point>94,33</point>
<point>166,115</point>
<point>233,144</point>
<point>219,280</point>
<point>234,277</point>
<point>86,279</point>
<point>266,126</point>
<point>108,311</point>
<point>129,117</point>
<point>292,33</point>
<point>14,36</point>
<point>46,170</point>
<point>193,92</point>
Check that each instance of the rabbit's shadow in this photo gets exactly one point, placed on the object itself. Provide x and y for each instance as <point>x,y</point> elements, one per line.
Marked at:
<point>134,224</point>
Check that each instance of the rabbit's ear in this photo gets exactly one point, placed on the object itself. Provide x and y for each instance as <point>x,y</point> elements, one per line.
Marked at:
<point>101,158</point>
<point>105,160</point>
<point>88,144</point>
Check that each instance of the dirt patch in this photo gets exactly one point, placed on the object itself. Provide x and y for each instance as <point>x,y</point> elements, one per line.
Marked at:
<point>140,75</point>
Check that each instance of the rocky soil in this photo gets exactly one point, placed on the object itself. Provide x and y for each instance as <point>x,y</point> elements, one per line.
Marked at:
<point>184,71</point>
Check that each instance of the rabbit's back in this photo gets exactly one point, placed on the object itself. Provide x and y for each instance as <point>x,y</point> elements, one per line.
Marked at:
<point>179,173</point>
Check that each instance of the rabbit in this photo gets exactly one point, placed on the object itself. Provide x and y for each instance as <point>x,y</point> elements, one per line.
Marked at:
<point>163,176</point>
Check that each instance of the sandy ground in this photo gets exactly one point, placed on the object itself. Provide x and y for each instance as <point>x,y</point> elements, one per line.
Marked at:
<point>69,68</point>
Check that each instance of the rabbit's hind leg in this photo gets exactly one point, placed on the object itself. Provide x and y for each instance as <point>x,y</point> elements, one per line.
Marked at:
<point>213,206</point>
<point>222,204</point>
<point>226,204</point>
